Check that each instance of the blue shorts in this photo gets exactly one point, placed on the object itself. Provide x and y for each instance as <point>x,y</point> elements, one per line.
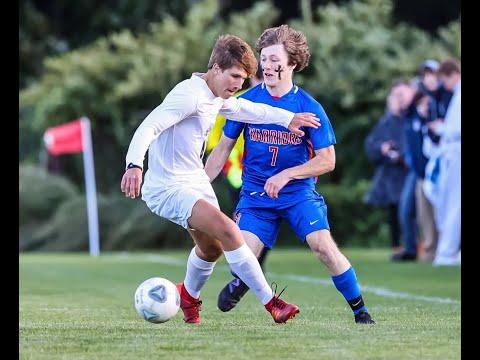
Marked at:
<point>304,210</point>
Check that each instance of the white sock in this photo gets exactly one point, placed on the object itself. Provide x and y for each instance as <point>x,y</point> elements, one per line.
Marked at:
<point>246,266</point>
<point>198,272</point>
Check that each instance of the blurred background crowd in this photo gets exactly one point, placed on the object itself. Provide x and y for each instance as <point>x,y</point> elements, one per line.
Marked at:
<point>416,148</point>
<point>386,72</point>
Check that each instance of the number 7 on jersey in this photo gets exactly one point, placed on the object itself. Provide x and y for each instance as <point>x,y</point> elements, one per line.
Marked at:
<point>274,150</point>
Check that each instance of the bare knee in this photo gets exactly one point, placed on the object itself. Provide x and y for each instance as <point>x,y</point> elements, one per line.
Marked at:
<point>210,252</point>
<point>324,248</point>
<point>229,234</point>
<point>325,252</point>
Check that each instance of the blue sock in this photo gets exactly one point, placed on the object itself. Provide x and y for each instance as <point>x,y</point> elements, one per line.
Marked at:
<point>347,284</point>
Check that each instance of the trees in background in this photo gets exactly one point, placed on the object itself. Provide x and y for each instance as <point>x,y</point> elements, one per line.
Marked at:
<point>55,27</point>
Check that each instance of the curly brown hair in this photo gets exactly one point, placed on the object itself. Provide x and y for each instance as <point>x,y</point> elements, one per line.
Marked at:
<point>230,50</point>
<point>294,42</point>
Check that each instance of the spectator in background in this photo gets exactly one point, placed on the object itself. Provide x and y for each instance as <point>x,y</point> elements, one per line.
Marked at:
<point>406,211</point>
<point>385,147</point>
<point>415,130</point>
<point>430,84</point>
<point>431,106</point>
<point>448,205</point>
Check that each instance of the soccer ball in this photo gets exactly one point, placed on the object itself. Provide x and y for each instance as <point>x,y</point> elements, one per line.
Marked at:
<point>157,300</point>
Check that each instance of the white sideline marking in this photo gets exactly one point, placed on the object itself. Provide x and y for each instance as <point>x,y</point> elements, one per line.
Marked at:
<point>370,289</point>
<point>311,280</point>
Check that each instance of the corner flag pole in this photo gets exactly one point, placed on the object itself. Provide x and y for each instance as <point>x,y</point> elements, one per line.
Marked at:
<point>90,187</point>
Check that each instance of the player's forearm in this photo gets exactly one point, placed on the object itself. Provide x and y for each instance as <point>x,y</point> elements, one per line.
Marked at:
<point>215,162</point>
<point>314,167</point>
<point>256,113</point>
<point>141,140</point>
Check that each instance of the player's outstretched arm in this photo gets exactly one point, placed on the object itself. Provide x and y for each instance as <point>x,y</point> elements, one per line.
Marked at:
<point>322,163</point>
<point>243,110</point>
<point>219,155</point>
<point>303,119</point>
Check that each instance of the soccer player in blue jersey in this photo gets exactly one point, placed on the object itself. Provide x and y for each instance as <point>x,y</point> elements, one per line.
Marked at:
<point>280,170</point>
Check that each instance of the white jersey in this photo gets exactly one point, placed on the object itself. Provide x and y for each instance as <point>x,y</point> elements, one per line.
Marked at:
<point>451,136</point>
<point>175,131</point>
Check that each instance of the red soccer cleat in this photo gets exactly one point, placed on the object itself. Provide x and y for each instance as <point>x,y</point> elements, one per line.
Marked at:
<point>189,305</point>
<point>280,310</point>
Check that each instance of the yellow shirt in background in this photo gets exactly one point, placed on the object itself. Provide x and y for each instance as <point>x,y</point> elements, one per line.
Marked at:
<point>233,166</point>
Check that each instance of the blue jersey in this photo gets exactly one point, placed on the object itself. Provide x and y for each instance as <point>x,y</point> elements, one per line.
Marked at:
<point>269,149</point>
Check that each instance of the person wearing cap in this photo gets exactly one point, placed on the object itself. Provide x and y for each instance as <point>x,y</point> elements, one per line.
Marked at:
<point>439,98</point>
<point>430,83</point>
<point>430,86</point>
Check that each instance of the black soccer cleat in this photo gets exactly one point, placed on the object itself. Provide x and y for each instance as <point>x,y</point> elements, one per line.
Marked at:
<point>231,294</point>
<point>364,318</point>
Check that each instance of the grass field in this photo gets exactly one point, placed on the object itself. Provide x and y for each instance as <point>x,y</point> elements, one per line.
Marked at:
<point>76,307</point>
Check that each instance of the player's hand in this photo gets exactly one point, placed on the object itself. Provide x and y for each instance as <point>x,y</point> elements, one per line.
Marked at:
<point>276,183</point>
<point>303,119</point>
<point>131,181</point>
<point>386,147</point>
<point>435,125</point>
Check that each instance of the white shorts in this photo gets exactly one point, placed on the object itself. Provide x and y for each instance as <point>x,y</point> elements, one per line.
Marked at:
<point>175,201</point>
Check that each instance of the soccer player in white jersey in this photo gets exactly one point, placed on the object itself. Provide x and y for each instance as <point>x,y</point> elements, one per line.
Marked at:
<point>176,186</point>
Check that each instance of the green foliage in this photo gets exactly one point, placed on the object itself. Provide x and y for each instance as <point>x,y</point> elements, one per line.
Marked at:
<point>131,225</point>
<point>123,225</point>
<point>67,230</point>
<point>53,216</point>
<point>35,42</point>
<point>40,193</point>
<point>450,38</point>
<point>59,26</point>
<point>352,222</point>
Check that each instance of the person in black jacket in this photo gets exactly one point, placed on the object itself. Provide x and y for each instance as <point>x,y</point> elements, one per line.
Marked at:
<point>434,88</point>
<point>385,146</point>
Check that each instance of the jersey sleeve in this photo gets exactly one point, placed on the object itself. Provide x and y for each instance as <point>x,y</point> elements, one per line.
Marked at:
<point>176,106</point>
<point>239,109</point>
<point>233,129</point>
<point>323,136</point>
